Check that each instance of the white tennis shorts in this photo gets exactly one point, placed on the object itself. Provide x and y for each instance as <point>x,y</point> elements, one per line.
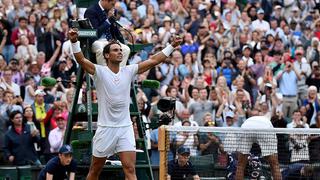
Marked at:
<point>109,140</point>
<point>266,141</point>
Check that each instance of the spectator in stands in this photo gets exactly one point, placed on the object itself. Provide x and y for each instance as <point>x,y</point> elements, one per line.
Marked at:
<point>16,12</point>
<point>270,97</point>
<point>22,30</point>
<point>30,87</point>
<point>297,120</point>
<point>314,78</point>
<point>181,167</point>
<point>56,135</point>
<point>34,72</point>
<point>62,166</point>
<point>304,69</point>
<point>30,119</point>
<point>8,105</point>
<point>40,109</point>
<point>172,92</point>
<point>260,24</point>
<point>298,146</point>
<point>202,106</point>
<point>312,105</point>
<point>7,84</point>
<point>25,50</point>
<point>313,53</point>
<point>188,139</point>
<point>225,116</point>
<point>288,80</point>
<point>185,116</point>
<point>17,72</point>
<point>8,50</point>
<point>314,144</point>
<point>168,71</point>
<point>192,24</point>
<point>18,144</point>
<point>189,46</point>
<point>209,143</point>
<point>193,96</point>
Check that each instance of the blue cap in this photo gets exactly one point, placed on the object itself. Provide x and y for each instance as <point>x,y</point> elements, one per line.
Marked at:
<point>184,150</point>
<point>66,149</point>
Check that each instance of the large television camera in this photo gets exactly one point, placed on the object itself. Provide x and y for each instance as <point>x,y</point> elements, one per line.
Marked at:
<point>167,106</point>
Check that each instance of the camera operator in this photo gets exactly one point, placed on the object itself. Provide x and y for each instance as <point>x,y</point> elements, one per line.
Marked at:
<point>167,107</point>
<point>154,137</point>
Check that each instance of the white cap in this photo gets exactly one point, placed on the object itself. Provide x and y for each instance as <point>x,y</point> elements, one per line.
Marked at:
<point>230,114</point>
<point>245,47</point>
<point>40,92</point>
<point>268,85</point>
<point>277,7</point>
<point>295,8</point>
<point>260,11</point>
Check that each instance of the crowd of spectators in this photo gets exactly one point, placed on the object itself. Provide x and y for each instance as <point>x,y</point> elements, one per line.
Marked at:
<point>237,57</point>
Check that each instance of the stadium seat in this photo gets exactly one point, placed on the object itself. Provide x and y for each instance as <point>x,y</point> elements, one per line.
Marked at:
<point>204,165</point>
<point>24,172</point>
<point>8,173</point>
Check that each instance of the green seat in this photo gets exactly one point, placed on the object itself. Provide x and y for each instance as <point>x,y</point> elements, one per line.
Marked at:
<point>204,165</point>
<point>81,151</point>
<point>138,47</point>
<point>85,3</point>
<point>24,172</point>
<point>8,173</point>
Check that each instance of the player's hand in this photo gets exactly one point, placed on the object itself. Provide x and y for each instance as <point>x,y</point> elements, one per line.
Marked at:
<point>177,40</point>
<point>11,158</point>
<point>73,35</point>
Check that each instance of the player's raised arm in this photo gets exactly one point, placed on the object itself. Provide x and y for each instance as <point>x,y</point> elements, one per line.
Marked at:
<point>160,56</point>
<point>86,64</point>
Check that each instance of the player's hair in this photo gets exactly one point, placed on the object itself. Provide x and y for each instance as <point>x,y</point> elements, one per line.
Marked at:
<point>106,49</point>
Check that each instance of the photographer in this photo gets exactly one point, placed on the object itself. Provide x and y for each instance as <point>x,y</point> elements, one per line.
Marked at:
<point>298,146</point>
<point>269,97</point>
<point>227,70</point>
<point>288,83</point>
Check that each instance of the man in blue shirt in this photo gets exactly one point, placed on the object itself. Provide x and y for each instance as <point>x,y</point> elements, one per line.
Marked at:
<point>60,167</point>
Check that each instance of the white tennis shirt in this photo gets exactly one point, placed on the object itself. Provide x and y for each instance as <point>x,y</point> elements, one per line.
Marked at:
<point>257,122</point>
<point>113,93</point>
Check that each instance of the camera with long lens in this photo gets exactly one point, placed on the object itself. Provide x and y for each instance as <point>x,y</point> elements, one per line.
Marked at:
<point>167,106</point>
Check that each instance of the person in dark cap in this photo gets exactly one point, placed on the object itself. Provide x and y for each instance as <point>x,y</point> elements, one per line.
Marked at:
<point>60,167</point>
<point>182,168</point>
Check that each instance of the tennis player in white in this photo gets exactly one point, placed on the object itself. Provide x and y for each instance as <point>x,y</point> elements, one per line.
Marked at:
<point>266,141</point>
<point>115,132</point>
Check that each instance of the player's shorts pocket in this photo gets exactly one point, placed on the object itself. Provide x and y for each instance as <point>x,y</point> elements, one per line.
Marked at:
<point>99,141</point>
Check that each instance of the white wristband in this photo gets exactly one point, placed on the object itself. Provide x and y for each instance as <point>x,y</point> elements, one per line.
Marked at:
<point>76,47</point>
<point>168,50</point>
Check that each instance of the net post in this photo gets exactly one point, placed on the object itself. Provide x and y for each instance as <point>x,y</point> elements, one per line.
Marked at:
<point>162,147</point>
